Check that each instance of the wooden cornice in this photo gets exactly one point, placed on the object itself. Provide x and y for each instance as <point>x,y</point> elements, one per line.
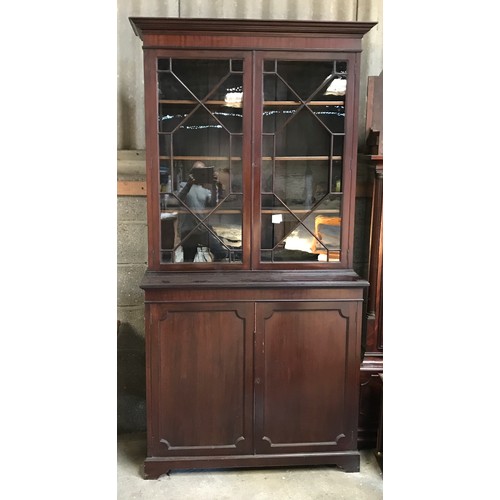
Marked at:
<point>172,25</point>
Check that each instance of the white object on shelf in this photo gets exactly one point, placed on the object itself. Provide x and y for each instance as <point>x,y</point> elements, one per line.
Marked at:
<point>338,86</point>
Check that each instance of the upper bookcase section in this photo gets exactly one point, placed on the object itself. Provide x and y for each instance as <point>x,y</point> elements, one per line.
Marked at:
<point>158,32</point>
<point>251,137</point>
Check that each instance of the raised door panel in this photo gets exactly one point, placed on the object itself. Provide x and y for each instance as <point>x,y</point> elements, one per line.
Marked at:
<point>202,379</point>
<point>307,372</point>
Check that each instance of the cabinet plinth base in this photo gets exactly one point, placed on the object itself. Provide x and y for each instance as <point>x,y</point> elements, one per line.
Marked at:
<point>154,467</point>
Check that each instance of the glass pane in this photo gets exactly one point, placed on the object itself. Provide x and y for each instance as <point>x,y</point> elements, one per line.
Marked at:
<point>268,150</point>
<point>272,215</point>
<point>338,146</point>
<point>211,218</point>
<point>287,238</point>
<point>236,147</point>
<point>205,211</point>
<point>226,223</point>
<point>200,143</point>
<point>202,135</point>
<point>332,117</point>
<point>171,115</point>
<point>170,87</point>
<point>276,115</point>
<point>237,65</point>
<point>231,119</point>
<point>269,66</point>
<point>301,235</point>
<point>277,90</point>
<point>303,137</point>
<point>229,87</point>
<point>305,77</point>
<point>232,177</point>
<point>326,242</point>
<point>201,77</point>
<point>336,178</point>
<point>278,107</point>
<point>165,144</point>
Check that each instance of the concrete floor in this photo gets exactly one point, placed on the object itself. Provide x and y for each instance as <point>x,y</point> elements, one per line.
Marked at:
<point>301,483</point>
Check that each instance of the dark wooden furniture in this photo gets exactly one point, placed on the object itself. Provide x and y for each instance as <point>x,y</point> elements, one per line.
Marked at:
<point>379,449</point>
<point>253,348</point>
<point>372,363</point>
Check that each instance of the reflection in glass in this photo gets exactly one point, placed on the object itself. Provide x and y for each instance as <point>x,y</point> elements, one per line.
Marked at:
<point>202,211</point>
<point>299,233</point>
<point>171,115</point>
<point>332,117</point>
<point>326,240</point>
<point>230,118</point>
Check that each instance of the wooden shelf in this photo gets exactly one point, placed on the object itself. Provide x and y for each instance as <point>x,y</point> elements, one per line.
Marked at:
<point>226,211</point>
<point>266,158</point>
<point>181,210</point>
<point>298,103</point>
<point>300,211</point>
<point>265,103</point>
<point>202,158</point>
<point>302,158</point>
<point>187,101</point>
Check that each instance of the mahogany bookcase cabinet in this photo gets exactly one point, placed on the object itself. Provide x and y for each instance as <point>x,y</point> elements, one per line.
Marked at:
<point>253,311</point>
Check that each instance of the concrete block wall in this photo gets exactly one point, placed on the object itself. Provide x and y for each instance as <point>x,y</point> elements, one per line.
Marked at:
<point>132,242</point>
<point>132,263</point>
<point>132,258</point>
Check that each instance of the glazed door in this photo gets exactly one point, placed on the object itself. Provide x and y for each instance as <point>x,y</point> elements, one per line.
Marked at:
<point>307,371</point>
<point>198,113</point>
<point>201,379</point>
<point>304,133</point>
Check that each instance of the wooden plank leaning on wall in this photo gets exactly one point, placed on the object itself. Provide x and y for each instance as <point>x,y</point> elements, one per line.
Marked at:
<point>131,170</point>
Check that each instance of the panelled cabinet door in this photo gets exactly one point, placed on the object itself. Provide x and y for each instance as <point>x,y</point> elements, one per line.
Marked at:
<point>201,379</point>
<point>307,363</point>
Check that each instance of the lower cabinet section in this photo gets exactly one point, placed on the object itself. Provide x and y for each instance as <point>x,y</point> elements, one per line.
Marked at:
<point>252,383</point>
